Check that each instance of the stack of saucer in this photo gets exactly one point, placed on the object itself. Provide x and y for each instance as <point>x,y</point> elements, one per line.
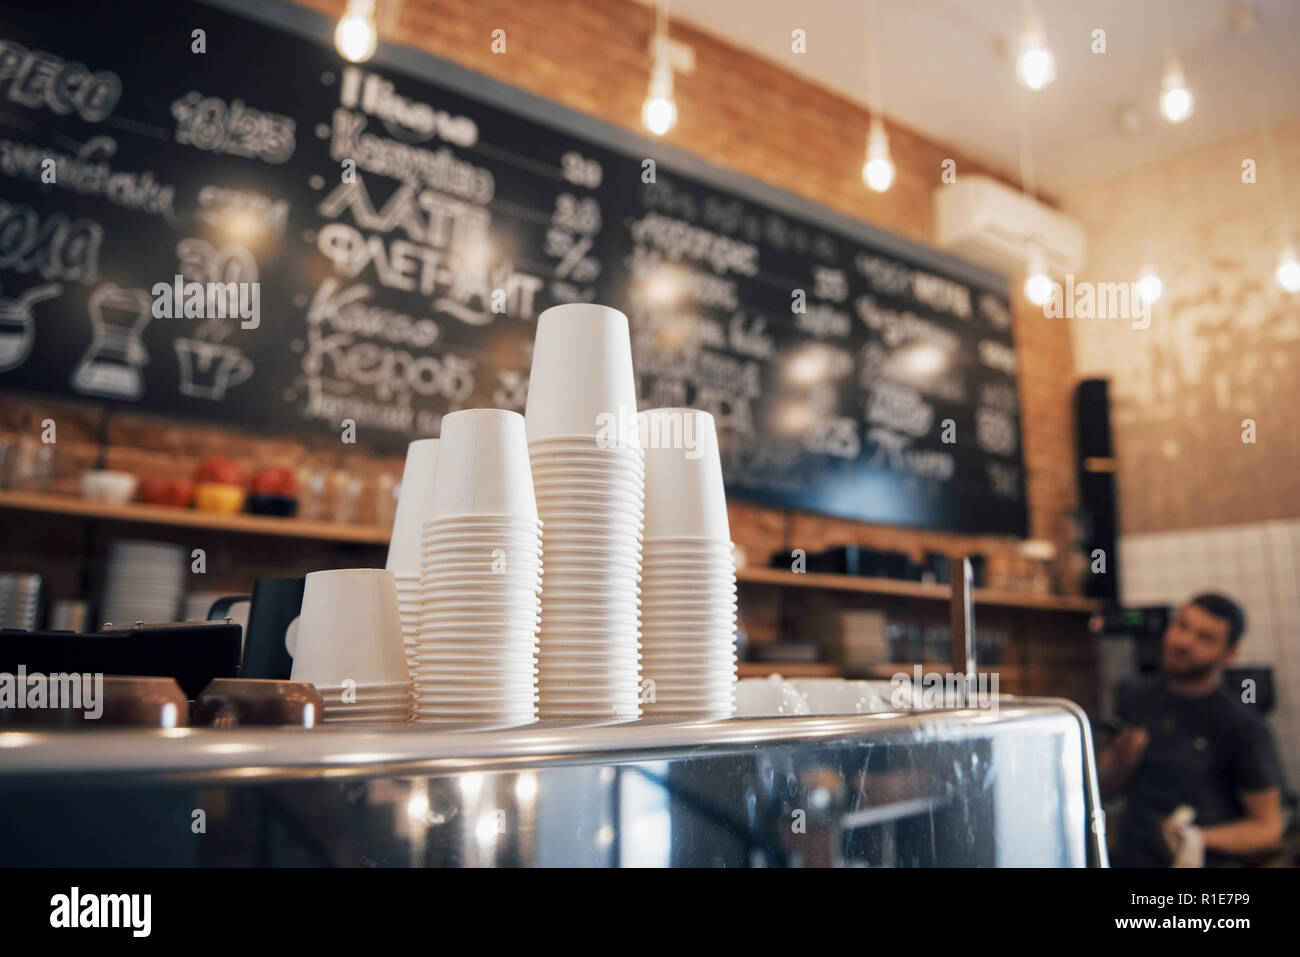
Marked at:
<point>349,646</point>
<point>145,582</point>
<point>589,475</point>
<point>404,546</point>
<point>688,616</point>
<point>480,577</point>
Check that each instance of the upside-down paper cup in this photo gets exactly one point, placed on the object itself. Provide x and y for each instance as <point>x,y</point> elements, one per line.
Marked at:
<point>685,496</point>
<point>581,382</point>
<point>413,499</point>
<point>350,629</point>
<point>483,467</point>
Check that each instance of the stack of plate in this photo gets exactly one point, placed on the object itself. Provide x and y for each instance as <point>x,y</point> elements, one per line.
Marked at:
<point>20,600</point>
<point>688,617</point>
<point>145,582</point>
<point>414,496</point>
<point>589,475</point>
<point>480,577</point>
<point>349,645</point>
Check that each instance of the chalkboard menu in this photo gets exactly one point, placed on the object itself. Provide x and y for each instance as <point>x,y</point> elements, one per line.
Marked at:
<point>237,224</point>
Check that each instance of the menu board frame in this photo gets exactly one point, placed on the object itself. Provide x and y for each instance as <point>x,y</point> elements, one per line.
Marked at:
<point>907,481</point>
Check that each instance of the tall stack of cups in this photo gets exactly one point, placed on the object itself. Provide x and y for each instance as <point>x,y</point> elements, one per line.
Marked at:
<point>589,475</point>
<point>350,647</point>
<point>480,577</point>
<point>688,616</point>
<point>415,493</point>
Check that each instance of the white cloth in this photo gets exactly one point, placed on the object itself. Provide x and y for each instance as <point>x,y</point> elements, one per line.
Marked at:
<point>1191,842</point>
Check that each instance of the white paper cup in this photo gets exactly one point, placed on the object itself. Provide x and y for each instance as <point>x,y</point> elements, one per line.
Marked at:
<point>460,672</point>
<point>511,675</point>
<point>709,660</point>
<point>369,687</point>
<point>430,665</point>
<point>581,376</point>
<point>588,444</point>
<point>701,581</point>
<point>413,499</point>
<point>593,672</point>
<point>485,525</point>
<point>581,494</point>
<point>483,544</point>
<point>547,470</point>
<point>684,490</point>
<point>483,467</point>
<point>695,552</point>
<point>350,628</point>
<point>569,605</point>
<point>480,538</point>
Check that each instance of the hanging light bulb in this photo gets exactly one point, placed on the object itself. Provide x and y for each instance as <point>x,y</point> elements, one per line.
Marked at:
<point>659,112</point>
<point>878,168</point>
<point>1288,271</point>
<point>356,36</point>
<point>1035,65</point>
<point>1176,100</point>
<point>1038,285</point>
<point>1149,286</point>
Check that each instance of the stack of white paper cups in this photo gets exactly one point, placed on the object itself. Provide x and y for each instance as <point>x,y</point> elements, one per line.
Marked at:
<point>480,577</point>
<point>589,476</point>
<point>688,590</point>
<point>350,646</point>
<point>414,496</point>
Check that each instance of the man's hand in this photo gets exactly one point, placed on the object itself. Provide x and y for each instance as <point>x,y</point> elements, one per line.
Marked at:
<point>1184,842</point>
<point>1130,745</point>
<point>1118,760</point>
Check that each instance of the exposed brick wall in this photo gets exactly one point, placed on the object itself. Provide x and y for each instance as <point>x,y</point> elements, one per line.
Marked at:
<point>739,112</point>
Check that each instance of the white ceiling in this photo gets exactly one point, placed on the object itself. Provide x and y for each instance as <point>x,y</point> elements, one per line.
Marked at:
<point>943,73</point>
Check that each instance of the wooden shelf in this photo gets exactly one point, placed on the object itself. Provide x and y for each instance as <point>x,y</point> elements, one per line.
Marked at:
<point>51,504</point>
<point>907,589</point>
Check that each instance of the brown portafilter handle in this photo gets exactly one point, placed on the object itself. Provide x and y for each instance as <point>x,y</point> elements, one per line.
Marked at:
<point>963,622</point>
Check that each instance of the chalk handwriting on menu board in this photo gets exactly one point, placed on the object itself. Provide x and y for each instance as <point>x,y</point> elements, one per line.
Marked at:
<point>404,235</point>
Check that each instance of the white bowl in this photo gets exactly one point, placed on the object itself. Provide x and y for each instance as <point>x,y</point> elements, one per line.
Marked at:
<point>104,485</point>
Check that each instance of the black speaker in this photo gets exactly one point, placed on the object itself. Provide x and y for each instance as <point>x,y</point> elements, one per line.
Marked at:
<point>1097,493</point>
<point>1092,413</point>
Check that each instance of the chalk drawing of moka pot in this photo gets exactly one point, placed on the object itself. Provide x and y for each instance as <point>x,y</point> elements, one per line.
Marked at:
<point>111,366</point>
<point>17,325</point>
<point>208,369</point>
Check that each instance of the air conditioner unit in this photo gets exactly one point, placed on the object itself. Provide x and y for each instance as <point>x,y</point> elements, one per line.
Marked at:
<point>994,225</point>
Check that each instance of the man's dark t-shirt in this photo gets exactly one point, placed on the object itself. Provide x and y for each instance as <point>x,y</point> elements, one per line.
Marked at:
<point>1201,751</point>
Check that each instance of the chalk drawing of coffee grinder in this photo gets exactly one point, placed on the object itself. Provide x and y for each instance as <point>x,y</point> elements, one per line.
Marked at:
<point>18,326</point>
<point>111,366</point>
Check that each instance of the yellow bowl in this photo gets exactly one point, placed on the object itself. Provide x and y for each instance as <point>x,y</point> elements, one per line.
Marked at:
<point>215,497</point>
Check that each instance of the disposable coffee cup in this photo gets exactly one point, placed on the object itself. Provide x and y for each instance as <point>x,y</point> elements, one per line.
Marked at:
<point>414,496</point>
<point>581,383</point>
<point>684,488</point>
<point>350,629</point>
<point>483,467</point>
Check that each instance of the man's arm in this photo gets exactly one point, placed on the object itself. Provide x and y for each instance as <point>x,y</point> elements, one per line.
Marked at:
<point>1117,760</point>
<point>1260,830</point>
